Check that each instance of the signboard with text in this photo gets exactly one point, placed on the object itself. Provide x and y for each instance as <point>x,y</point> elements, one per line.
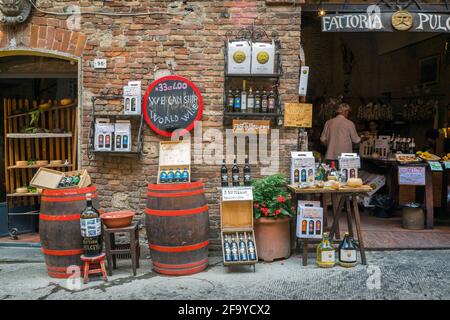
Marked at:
<point>172,103</point>
<point>298,115</point>
<point>251,126</point>
<point>386,22</point>
<point>237,194</point>
<point>411,176</point>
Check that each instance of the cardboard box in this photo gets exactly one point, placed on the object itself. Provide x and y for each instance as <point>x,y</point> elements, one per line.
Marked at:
<point>174,155</point>
<point>303,167</point>
<point>349,164</point>
<point>375,181</point>
<point>122,135</point>
<point>263,58</point>
<point>309,221</point>
<point>239,57</point>
<point>50,179</point>
<point>103,135</point>
<point>132,98</point>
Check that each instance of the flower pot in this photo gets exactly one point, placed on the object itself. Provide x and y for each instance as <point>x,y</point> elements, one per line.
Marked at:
<point>273,238</point>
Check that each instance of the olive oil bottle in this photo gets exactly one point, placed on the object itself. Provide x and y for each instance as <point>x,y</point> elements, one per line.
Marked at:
<point>347,252</point>
<point>325,252</point>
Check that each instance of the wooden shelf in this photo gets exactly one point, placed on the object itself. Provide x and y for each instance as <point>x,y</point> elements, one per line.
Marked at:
<point>119,153</point>
<point>28,194</point>
<point>38,135</point>
<point>117,116</point>
<point>37,166</point>
<point>250,114</point>
<point>29,213</point>
<point>47,110</point>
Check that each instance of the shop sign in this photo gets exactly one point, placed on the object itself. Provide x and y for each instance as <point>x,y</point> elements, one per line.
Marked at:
<point>298,115</point>
<point>411,176</point>
<point>172,103</point>
<point>401,20</point>
<point>251,126</point>
<point>237,194</point>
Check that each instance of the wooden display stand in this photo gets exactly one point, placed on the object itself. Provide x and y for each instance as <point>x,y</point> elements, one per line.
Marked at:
<point>236,208</point>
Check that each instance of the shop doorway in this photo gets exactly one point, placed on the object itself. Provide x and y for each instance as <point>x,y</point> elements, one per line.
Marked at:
<point>397,83</point>
<point>38,127</point>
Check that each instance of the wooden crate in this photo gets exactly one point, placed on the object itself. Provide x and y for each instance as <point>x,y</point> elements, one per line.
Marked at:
<point>24,147</point>
<point>174,155</point>
<point>49,179</point>
<point>236,217</point>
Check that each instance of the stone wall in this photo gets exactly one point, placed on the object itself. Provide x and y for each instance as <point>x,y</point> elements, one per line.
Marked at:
<point>184,39</point>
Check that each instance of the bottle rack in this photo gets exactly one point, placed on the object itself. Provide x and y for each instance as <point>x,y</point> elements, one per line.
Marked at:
<point>137,147</point>
<point>265,81</point>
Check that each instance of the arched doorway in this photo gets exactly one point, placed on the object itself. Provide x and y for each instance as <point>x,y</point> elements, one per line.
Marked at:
<point>39,126</point>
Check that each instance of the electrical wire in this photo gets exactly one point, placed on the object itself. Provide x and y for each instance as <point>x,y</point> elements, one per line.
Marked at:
<point>101,13</point>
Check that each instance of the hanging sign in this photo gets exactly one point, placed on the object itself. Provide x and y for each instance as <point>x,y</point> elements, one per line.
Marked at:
<point>401,20</point>
<point>411,176</point>
<point>298,115</point>
<point>172,103</point>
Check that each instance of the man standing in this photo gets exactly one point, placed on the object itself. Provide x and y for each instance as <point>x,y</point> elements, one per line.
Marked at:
<point>339,133</point>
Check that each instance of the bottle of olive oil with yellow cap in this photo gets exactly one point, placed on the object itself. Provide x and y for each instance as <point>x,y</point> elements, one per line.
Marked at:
<point>326,257</point>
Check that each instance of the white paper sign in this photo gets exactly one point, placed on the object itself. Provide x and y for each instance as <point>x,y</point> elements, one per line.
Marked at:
<point>412,176</point>
<point>237,194</point>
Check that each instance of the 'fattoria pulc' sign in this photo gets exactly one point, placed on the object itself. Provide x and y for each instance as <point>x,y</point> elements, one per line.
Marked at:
<point>172,103</point>
<point>386,22</point>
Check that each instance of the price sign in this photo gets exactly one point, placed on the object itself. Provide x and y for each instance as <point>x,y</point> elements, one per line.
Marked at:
<point>172,103</point>
<point>237,194</point>
<point>251,126</point>
<point>447,164</point>
<point>298,115</point>
<point>435,166</point>
<point>412,176</point>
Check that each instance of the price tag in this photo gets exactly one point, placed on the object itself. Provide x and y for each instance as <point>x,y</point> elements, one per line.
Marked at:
<point>435,165</point>
<point>237,194</point>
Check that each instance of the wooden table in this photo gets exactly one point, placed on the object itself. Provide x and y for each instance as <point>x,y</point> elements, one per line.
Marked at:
<point>345,196</point>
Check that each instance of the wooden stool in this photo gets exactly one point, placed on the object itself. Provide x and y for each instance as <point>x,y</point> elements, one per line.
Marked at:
<point>98,262</point>
<point>112,249</point>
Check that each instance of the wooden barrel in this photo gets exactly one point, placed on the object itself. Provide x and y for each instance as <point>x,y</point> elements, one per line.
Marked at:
<point>59,228</point>
<point>177,225</point>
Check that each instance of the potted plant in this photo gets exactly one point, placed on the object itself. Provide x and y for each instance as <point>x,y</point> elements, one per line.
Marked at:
<point>273,211</point>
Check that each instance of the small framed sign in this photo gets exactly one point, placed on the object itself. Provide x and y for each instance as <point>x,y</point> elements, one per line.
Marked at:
<point>298,115</point>
<point>411,176</point>
<point>435,165</point>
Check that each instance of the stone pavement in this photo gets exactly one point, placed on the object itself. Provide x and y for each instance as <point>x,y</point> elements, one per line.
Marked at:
<point>390,275</point>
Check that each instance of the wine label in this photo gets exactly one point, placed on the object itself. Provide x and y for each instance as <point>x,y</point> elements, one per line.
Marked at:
<point>328,256</point>
<point>347,255</point>
<point>90,227</point>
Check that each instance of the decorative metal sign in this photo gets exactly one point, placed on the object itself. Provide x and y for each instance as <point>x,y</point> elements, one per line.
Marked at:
<point>172,103</point>
<point>14,11</point>
<point>401,20</point>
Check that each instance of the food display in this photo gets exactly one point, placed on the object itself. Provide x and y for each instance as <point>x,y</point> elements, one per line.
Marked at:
<point>428,156</point>
<point>407,158</point>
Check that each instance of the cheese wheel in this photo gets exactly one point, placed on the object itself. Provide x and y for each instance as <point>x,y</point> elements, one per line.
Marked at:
<point>354,182</point>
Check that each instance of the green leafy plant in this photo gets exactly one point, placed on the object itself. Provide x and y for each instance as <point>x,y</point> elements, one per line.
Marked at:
<point>271,198</point>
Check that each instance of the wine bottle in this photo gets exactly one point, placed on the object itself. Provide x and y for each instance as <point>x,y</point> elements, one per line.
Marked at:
<point>325,252</point>
<point>332,174</point>
<point>227,249</point>
<point>230,101</point>
<point>347,252</point>
<point>247,173</point>
<point>91,229</point>
<point>271,102</point>
<point>235,174</point>
<point>234,250</point>
<point>257,101</point>
<point>264,102</point>
<point>170,176</point>
<point>224,174</point>
<point>177,176</point>
<point>250,101</point>
<point>251,249</point>
<point>163,177</point>
<point>185,175</point>
<point>244,97</point>
<point>242,249</point>
<point>237,102</point>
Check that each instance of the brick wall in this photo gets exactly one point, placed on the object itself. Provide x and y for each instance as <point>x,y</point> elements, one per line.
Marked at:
<point>186,42</point>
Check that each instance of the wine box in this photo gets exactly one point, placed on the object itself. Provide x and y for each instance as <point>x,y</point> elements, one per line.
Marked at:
<point>263,58</point>
<point>132,98</point>
<point>104,131</point>
<point>349,164</point>
<point>174,155</point>
<point>303,167</point>
<point>239,57</point>
<point>309,221</point>
<point>122,135</point>
<point>49,179</point>
<point>236,217</point>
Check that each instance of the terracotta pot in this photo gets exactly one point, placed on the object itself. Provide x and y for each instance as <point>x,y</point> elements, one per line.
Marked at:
<point>118,219</point>
<point>273,238</point>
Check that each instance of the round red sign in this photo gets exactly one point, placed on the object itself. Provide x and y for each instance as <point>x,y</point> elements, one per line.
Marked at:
<point>172,103</point>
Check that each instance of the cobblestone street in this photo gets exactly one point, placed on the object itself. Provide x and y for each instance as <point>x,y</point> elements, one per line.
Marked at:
<point>389,275</point>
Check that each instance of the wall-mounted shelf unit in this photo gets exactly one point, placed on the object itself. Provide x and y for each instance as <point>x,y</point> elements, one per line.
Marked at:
<point>137,121</point>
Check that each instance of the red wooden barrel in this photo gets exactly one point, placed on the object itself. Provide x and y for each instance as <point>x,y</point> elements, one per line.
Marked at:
<point>177,225</point>
<point>59,228</point>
